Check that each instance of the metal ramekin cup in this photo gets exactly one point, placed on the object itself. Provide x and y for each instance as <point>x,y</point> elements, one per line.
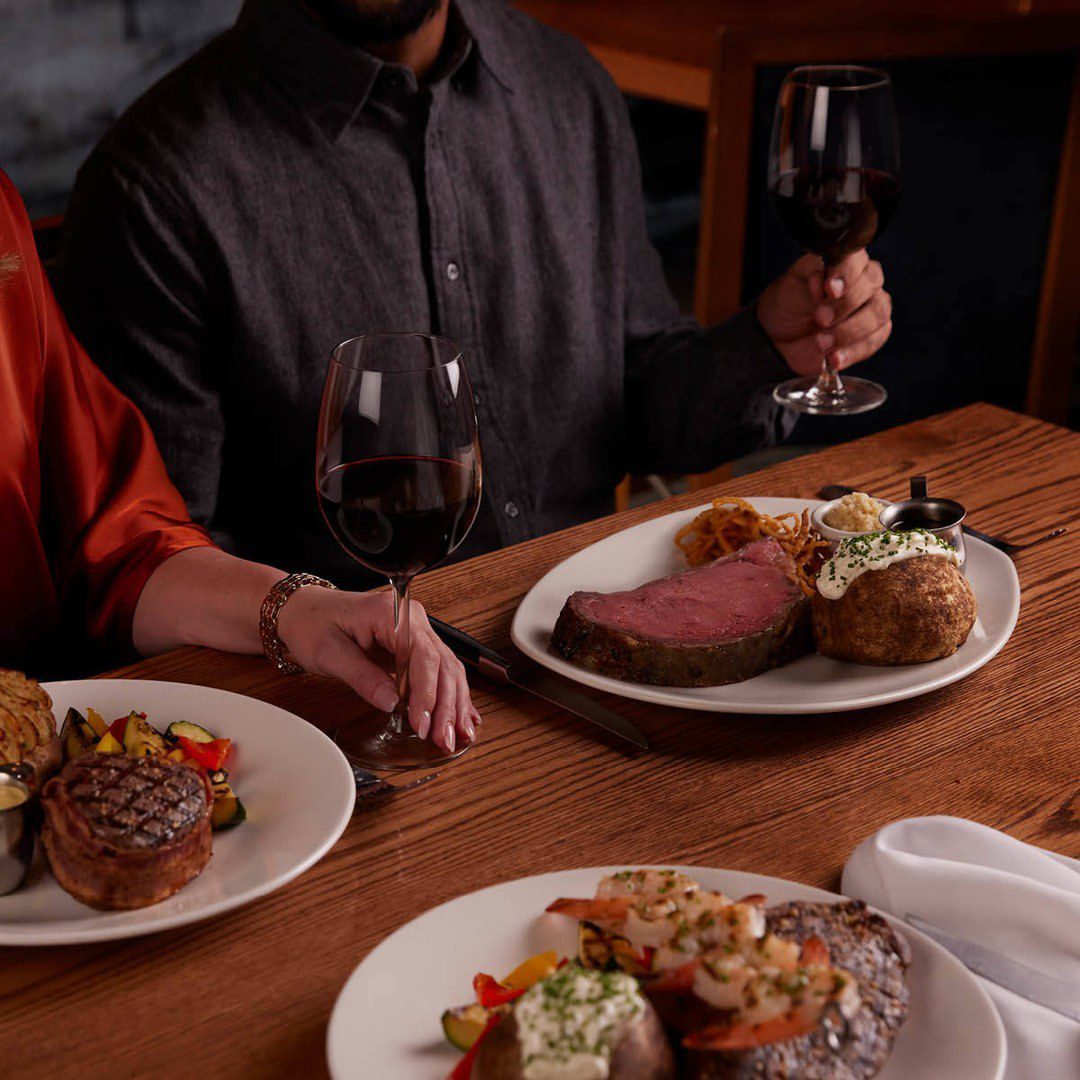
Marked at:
<point>826,531</point>
<point>943,517</point>
<point>16,828</point>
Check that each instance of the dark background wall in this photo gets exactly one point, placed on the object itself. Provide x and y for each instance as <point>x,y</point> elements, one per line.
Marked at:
<point>69,67</point>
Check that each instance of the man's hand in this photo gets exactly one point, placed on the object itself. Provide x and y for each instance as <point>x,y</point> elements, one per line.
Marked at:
<point>847,318</point>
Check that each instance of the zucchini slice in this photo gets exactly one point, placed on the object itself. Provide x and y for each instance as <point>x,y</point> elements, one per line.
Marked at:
<point>464,1025</point>
<point>189,731</point>
<point>228,812</point>
<point>77,737</point>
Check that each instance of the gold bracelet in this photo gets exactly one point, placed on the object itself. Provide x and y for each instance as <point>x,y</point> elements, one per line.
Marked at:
<point>276,598</point>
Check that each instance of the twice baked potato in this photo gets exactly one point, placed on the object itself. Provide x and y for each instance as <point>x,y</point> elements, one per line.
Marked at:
<point>640,1051</point>
<point>910,612</point>
<point>27,729</point>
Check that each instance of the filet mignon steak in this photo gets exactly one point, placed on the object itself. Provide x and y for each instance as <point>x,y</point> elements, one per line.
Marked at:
<point>861,943</point>
<point>721,623</point>
<point>125,832</point>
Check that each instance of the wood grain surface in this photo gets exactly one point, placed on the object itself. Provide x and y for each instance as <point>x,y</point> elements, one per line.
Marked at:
<point>250,993</point>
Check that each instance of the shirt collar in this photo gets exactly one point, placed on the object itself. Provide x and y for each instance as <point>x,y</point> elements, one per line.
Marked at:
<point>333,78</point>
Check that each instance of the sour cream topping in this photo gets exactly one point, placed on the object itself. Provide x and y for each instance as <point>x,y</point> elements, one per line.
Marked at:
<point>569,1023</point>
<point>875,551</point>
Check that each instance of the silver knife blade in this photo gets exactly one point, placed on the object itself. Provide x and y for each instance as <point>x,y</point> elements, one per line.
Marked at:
<point>551,688</point>
<point>1026,981</point>
<point>532,679</point>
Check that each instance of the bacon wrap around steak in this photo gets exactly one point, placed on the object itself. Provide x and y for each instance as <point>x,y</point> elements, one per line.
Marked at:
<point>125,832</point>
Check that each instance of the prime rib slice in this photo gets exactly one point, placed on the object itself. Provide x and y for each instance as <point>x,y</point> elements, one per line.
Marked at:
<point>125,832</point>
<point>721,623</point>
<point>861,943</point>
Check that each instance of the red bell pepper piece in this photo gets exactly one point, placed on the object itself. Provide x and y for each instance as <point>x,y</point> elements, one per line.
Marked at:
<point>117,728</point>
<point>491,993</point>
<point>463,1069</point>
<point>210,755</point>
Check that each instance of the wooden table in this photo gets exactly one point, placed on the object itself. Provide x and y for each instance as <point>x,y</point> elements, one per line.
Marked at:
<point>250,993</point>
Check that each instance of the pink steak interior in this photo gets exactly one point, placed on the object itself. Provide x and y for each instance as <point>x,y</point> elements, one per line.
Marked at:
<point>734,597</point>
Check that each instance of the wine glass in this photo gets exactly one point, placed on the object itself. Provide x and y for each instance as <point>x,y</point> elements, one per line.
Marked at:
<point>398,477</point>
<point>834,183</point>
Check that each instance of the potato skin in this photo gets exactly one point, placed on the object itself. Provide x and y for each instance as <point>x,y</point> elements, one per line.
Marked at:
<point>643,1053</point>
<point>911,612</point>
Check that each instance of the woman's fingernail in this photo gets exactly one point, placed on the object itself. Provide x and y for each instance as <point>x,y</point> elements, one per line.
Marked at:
<point>825,342</point>
<point>448,736</point>
<point>477,718</point>
<point>836,286</point>
<point>825,315</point>
<point>840,358</point>
<point>424,726</point>
<point>384,698</point>
<point>470,728</point>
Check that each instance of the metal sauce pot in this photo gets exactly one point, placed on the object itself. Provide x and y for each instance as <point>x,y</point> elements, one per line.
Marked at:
<point>943,517</point>
<point>16,825</point>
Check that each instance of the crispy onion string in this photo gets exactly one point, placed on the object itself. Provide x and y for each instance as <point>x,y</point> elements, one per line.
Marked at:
<point>730,523</point>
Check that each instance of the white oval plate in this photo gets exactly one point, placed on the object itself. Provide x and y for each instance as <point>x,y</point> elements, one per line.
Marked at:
<point>294,782</point>
<point>386,1020</point>
<point>811,684</point>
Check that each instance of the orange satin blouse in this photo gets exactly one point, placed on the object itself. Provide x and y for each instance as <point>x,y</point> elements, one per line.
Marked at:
<point>87,511</point>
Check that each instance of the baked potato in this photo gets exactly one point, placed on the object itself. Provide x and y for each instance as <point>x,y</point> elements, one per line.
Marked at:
<point>27,728</point>
<point>641,1052</point>
<point>910,612</point>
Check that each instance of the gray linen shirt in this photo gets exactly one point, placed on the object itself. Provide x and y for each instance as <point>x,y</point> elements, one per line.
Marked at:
<point>284,190</point>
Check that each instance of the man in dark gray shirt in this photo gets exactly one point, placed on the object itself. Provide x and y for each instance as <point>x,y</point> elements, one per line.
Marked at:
<point>337,167</point>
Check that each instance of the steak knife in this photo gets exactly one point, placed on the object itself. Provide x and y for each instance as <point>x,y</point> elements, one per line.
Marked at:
<point>533,680</point>
<point>836,491</point>
<point>1026,981</point>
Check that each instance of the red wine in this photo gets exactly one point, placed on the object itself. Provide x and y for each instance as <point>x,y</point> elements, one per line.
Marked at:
<point>400,515</point>
<point>834,212</point>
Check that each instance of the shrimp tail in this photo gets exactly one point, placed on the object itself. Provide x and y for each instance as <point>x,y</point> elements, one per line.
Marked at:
<point>748,1036</point>
<point>596,910</point>
<point>814,951</point>
<point>678,980</point>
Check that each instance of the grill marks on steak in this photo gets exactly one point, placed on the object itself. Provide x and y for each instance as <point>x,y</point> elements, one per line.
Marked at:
<point>861,943</point>
<point>135,802</point>
<point>125,832</point>
<point>715,624</point>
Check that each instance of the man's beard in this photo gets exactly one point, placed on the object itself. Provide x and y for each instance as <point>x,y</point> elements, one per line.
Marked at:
<point>374,25</point>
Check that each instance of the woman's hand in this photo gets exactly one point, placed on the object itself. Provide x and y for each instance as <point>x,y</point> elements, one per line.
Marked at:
<point>338,633</point>
<point>847,318</point>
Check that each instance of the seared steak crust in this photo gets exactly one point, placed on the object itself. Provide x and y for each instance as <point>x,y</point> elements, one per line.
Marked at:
<point>126,832</point>
<point>721,623</point>
<point>859,942</point>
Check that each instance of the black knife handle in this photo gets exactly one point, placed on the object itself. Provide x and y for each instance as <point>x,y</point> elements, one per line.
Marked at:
<point>470,652</point>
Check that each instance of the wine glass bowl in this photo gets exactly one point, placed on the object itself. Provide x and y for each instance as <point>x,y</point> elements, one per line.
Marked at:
<point>398,478</point>
<point>834,184</point>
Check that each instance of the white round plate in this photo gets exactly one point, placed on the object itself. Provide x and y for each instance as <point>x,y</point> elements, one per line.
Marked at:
<point>386,1020</point>
<point>811,684</point>
<point>295,784</point>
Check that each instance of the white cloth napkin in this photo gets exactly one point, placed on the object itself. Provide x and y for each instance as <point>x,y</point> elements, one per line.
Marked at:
<point>1021,901</point>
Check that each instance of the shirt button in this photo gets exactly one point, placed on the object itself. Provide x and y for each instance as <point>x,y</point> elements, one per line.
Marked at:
<point>511,510</point>
<point>453,271</point>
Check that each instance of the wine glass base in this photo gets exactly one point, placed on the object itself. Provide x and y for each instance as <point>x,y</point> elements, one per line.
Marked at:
<point>806,396</point>
<point>369,742</point>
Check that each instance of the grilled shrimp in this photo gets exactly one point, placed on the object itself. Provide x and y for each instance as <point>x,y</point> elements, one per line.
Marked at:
<point>667,912</point>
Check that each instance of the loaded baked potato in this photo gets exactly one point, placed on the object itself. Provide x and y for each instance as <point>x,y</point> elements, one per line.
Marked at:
<point>910,612</point>
<point>636,1044</point>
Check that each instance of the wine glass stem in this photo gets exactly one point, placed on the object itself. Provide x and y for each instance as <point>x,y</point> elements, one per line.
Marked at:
<point>828,381</point>
<point>399,718</point>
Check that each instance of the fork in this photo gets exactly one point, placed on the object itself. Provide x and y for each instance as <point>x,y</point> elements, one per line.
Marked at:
<point>370,786</point>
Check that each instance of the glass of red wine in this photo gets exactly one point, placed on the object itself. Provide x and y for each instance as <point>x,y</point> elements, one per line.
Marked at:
<point>834,183</point>
<point>398,479</point>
